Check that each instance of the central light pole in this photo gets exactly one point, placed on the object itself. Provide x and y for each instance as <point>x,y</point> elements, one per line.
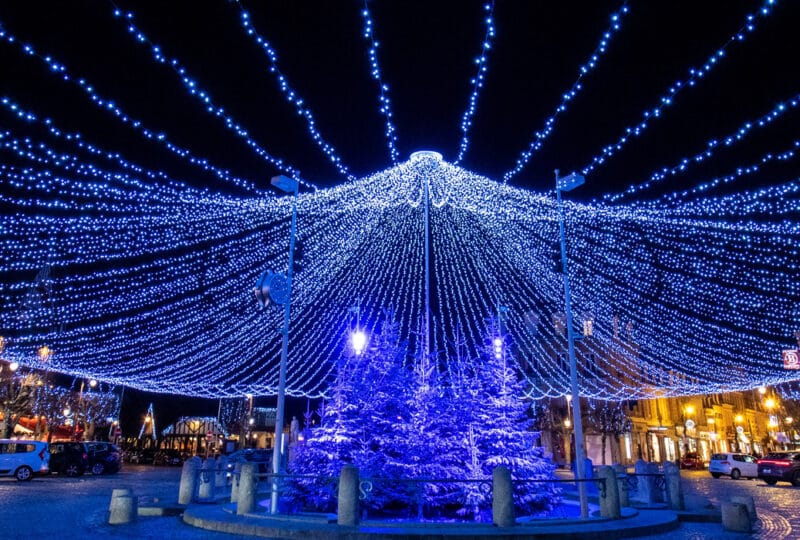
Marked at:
<point>287,185</point>
<point>568,183</point>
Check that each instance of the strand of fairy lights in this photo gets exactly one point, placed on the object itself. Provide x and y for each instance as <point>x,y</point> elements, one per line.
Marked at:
<point>667,99</point>
<point>541,136</point>
<point>291,94</point>
<point>59,70</point>
<point>366,240</point>
<point>481,62</point>
<point>195,90</point>
<point>710,147</point>
<point>384,101</point>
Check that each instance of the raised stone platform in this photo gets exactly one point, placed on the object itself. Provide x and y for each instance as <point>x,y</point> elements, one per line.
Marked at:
<point>634,523</point>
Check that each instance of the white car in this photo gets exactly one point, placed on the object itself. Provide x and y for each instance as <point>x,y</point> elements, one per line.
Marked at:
<point>733,464</point>
<point>23,458</point>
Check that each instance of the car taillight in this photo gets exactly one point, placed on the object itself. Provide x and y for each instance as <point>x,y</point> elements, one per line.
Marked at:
<point>780,462</point>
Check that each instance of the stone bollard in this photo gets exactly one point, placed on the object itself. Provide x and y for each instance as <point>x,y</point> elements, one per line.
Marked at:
<point>237,470</point>
<point>672,478</point>
<point>123,509</point>
<point>246,494</point>
<point>189,480</point>
<point>655,495</point>
<point>347,510</point>
<point>502,498</point>
<point>643,483</point>
<point>622,484</point>
<point>221,480</point>
<point>735,517</point>
<point>609,505</point>
<point>207,479</point>
<point>118,492</point>
<point>749,503</point>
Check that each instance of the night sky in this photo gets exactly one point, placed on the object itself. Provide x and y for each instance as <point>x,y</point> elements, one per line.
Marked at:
<point>426,54</point>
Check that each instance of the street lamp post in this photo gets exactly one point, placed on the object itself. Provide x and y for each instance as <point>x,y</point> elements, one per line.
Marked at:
<point>288,185</point>
<point>568,183</point>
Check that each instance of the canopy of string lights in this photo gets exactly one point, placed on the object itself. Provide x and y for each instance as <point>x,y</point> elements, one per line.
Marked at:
<point>133,275</point>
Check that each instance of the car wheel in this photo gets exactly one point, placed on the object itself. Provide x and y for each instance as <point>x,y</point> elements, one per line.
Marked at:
<point>716,474</point>
<point>98,468</point>
<point>23,474</point>
<point>73,469</point>
<point>735,474</point>
<point>770,481</point>
<point>796,479</point>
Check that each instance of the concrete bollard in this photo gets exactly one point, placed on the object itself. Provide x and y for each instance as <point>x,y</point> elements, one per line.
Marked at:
<point>207,479</point>
<point>237,470</point>
<point>123,509</point>
<point>735,517</point>
<point>643,487</point>
<point>246,495</point>
<point>348,507</point>
<point>119,492</point>
<point>188,486</point>
<point>655,495</point>
<point>502,498</point>
<point>622,484</point>
<point>609,505</point>
<point>221,478</point>
<point>672,478</point>
<point>749,503</point>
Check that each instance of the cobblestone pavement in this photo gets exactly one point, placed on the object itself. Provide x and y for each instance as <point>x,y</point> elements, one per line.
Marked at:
<point>76,508</point>
<point>776,506</point>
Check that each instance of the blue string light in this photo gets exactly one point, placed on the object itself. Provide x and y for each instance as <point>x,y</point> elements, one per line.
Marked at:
<point>710,147</point>
<point>385,103</point>
<point>668,98</point>
<point>291,94</point>
<point>195,90</point>
<point>477,82</point>
<point>108,105</point>
<point>663,311</point>
<point>541,136</point>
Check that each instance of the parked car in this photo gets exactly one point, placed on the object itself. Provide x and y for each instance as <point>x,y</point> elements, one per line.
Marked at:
<point>733,464</point>
<point>69,458</point>
<point>780,467</point>
<point>104,457</point>
<point>261,457</point>
<point>141,456</point>
<point>168,457</point>
<point>23,458</point>
<point>692,460</point>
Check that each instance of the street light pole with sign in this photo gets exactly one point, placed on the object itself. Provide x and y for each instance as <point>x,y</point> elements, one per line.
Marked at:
<point>567,183</point>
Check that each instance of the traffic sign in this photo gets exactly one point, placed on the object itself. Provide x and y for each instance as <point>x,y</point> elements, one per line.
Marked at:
<point>791,359</point>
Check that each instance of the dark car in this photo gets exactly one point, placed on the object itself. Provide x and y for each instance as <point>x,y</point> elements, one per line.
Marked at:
<point>261,457</point>
<point>141,456</point>
<point>104,457</point>
<point>69,458</point>
<point>692,460</point>
<point>168,457</point>
<point>780,467</point>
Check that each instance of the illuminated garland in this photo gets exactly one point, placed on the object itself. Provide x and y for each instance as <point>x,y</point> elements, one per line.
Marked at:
<point>588,66</point>
<point>383,89</point>
<point>60,70</point>
<point>291,94</point>
<point>154,290</point>
<point>477,82</point>
<point>668,98</point>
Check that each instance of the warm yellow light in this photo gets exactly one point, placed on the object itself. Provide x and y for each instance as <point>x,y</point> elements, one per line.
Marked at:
<point>146,419</point>
<point>711,421</point>
<point>567,423</point>
<point>690,409</point>
<point>44,352</point>
<point>13,366</point>
<point>769,403</point>
<point>788,419</point>
<point>762,390</point>
<point>772,423</point>
<point>92,383</point>
<point>739,419</point>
